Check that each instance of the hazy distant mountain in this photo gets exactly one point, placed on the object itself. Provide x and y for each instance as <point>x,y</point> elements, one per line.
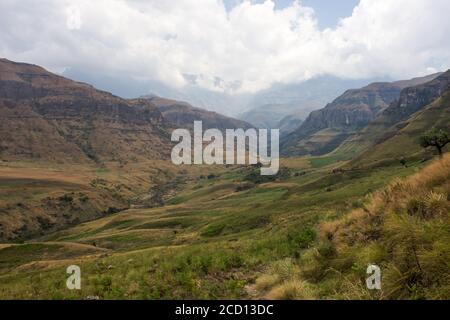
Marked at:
<point>290,123</point>
<point>262,109</point>
<point>267,108</point>
<point>326,129</point>
<point>223,103</point>
<point>126,87</point>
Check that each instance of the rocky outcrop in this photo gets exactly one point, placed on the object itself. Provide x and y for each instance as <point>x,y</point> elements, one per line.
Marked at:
<point>414,98</point>
<point>396,133</point>
<point>349,113</point>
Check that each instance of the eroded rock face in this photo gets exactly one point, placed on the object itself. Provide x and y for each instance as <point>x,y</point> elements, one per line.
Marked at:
<point>183,115</point>
<point>347,114</point>
<point>52,118</point>
<point>413,99</point>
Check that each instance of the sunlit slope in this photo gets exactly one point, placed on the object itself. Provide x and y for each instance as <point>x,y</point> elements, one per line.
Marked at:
<point>211,240</point>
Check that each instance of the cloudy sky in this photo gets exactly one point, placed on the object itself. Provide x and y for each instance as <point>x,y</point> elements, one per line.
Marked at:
<point>234,45</point>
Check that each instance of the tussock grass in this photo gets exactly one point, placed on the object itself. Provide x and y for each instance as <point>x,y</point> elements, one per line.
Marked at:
<point>287,239</point>
<point>405,228</point>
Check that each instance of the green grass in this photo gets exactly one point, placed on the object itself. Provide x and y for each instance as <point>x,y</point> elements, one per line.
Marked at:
<point>208,242</point>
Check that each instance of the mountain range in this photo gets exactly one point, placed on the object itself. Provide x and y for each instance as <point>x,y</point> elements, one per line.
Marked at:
<point>52,118</point>
<point>85,177</point>
<point>277,106</point>
<point>327,128</point>
<point>48,117</point>
<point>396,132</point>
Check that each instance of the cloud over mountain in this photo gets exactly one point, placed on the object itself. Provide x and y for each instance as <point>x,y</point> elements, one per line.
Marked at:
<point>244,49</point>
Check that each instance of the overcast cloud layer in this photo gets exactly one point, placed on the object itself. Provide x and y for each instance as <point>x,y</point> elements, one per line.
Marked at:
<point>248,48</point>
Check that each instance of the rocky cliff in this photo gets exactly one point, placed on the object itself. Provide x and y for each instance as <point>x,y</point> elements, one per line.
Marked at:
<point>347,114</point>
<point>51,118</point>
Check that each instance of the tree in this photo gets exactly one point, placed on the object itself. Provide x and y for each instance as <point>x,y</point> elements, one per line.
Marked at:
<point>437,138</point>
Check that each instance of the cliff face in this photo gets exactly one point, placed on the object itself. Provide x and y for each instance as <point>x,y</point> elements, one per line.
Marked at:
<point>418,109</point>
<point>396,133</point>
<point>51,118</point>
<point>347,114</point>
<point>414,98</point>
<point>183,115</point>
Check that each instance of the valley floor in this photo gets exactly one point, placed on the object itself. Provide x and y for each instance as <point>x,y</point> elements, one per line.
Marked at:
<point>218,233</point>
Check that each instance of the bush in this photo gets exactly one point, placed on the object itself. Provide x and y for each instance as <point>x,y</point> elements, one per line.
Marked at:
<point>244,187</point>
<point>66,198</point>
<point>301,239</point>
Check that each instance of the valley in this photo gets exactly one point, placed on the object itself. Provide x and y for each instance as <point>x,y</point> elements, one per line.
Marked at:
<point>214,239</point>
<point>86,179</point>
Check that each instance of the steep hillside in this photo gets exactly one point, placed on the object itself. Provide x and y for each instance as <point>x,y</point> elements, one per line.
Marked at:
<point>270,115</point>
<point>183,115</point>
<point>326,129</point>
<point>68,152</point>
<point>402,228</point>
<point>50,118</point>
<point>396,132</point>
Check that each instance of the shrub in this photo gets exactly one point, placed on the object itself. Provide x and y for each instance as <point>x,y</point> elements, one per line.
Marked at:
<point>66,198</point>
<point>301,239</point>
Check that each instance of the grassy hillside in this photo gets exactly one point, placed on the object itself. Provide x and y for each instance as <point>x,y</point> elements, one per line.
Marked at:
<point>38,198</point>
<point>403,228</point>
<point>214,239</point>
<point>405,142</point>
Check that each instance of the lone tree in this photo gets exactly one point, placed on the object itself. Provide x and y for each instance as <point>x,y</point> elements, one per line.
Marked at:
<point>437,138</point>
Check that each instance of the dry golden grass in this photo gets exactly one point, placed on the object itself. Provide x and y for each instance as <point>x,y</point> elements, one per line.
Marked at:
<point>405,228</point>
<point>292,290</point>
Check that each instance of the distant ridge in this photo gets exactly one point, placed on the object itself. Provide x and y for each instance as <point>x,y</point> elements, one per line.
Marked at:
<point>182,114</point>
<point>326,129</point>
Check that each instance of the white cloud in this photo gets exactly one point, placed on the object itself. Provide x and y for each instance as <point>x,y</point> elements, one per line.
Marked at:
<point>73,19</point>
<point>253,44</point>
